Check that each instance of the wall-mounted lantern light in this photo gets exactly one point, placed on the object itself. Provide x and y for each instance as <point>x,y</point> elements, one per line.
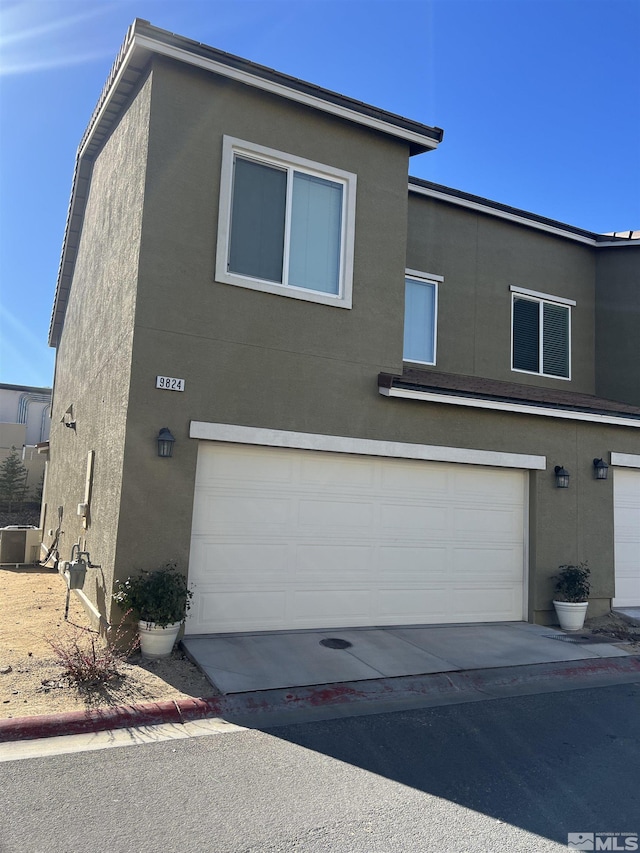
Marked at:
<point>562,477</point>
<point>600,469</point>
<point>165,443</point>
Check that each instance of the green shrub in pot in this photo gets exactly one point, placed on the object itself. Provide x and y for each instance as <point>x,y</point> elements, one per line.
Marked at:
<point>572,583</point>
<point>161,596</point>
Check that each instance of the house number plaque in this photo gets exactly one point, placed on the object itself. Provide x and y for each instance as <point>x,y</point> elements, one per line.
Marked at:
<point>169,383</point>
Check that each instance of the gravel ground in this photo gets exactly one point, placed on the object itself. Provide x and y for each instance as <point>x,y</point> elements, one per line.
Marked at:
<point>32,680</point>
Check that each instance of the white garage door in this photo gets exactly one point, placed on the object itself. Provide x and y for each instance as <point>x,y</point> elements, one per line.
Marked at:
<point>285,539</point>
<point>626,497</point>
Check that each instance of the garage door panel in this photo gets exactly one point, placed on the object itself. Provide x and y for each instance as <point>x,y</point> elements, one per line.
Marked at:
<point>225,513</point>
<point>413,519</point>
<point>335,540</point>
<point>402,605</point>
<point>330,513</point>
<point>346,472</point>
<point>476,521</point>
<point>244,464</point>
<point>340,563</point>
<point>403,564</point>
<point>261,562</point>
<point>491,564</point>
<point>495,485</point>
<point>228,609</point>
<point>331,607</point>
<point>405,479</point>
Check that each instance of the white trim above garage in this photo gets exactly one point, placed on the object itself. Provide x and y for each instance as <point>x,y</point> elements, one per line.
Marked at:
<point>237,434</point>
<point>625,460</point>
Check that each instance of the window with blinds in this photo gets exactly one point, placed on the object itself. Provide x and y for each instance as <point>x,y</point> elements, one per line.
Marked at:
<point>286,225</point>
<point>540,335</point>
<point>420,303</point>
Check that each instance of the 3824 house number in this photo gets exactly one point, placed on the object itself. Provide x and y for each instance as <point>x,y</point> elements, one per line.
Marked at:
<point>169,383</point>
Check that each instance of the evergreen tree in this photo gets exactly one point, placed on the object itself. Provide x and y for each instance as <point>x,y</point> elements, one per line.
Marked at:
<point>13,480</point>
<point>40,489</point>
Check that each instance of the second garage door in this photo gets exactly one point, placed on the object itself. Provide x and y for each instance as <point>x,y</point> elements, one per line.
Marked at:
<point>626,489</point>
<point>286,539</point>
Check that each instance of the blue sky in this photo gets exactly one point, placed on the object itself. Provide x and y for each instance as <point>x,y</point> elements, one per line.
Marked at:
<point>538,100</point>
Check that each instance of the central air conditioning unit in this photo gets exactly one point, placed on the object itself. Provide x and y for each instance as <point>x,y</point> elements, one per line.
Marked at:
<point>20,545</point>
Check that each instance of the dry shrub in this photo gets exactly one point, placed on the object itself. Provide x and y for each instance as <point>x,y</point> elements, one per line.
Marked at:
<point>88,660</point>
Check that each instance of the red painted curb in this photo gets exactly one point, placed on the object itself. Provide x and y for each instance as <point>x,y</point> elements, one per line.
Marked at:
<point>101,719</point>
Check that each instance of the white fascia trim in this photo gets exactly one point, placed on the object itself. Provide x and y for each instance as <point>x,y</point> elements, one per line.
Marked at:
<point>625,460</point>
<point>500,406</point>
<point>106,106</point>
<point>503,214</point>
<point>284,91</point>
<point>427,276</point>
<point>236,434</point>
<point>546,296</point>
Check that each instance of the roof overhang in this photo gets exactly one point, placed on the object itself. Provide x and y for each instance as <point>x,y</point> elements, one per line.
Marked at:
<point>459,198</point>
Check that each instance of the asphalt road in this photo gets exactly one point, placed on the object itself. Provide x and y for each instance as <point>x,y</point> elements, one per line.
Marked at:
<point>508,775</point>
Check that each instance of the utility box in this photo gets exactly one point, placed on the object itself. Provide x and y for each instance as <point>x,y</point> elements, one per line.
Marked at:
<point>20,544</point>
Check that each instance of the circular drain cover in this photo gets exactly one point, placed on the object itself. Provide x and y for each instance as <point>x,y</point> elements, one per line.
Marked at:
<point>335,643</point>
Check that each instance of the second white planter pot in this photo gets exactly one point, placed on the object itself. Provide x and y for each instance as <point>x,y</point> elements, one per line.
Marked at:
<point>157,642</point>
<point>571,614</point>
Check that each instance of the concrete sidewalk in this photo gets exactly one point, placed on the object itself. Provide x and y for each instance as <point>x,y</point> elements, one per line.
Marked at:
<point>240,663</point>
<point>282,678</point>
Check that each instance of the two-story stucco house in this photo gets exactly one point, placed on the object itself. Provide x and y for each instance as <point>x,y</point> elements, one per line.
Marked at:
<point>370,379</point>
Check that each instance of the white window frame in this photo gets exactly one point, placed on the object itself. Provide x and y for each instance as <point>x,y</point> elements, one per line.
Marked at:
<point>435,280</point>
<point>541,299</point>
<point>278,159</point>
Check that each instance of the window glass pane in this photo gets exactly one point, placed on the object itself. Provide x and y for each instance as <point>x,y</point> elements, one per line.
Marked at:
<point>316,222</point>
<point>555,339</point>
<point>419,321</point>
<point>257,220</point>
<point>526,334</point>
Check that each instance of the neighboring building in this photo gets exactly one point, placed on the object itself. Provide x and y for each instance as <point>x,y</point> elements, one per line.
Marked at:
<point>25,414</point>
<point>370,380</point>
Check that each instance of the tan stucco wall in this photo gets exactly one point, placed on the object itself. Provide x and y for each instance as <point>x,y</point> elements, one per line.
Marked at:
<point>618,324</point>
<point>94,356</point>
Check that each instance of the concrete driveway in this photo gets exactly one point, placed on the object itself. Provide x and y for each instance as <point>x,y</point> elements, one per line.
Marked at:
<point>239,663</point>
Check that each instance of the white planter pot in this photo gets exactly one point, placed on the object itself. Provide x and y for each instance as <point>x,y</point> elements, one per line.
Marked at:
<point>157,642</point>
<point>571,614</point>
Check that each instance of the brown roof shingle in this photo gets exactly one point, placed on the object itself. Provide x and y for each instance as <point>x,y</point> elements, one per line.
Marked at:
<point>513,392</point>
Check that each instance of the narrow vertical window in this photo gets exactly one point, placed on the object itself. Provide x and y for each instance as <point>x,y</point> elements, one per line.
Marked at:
<point>420,321</point>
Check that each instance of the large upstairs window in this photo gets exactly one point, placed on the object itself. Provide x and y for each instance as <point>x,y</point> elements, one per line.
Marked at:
<point>541,333</point>
<point>286,225</point>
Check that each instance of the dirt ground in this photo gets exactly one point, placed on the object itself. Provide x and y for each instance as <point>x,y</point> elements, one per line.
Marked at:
<point>32,602</point>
